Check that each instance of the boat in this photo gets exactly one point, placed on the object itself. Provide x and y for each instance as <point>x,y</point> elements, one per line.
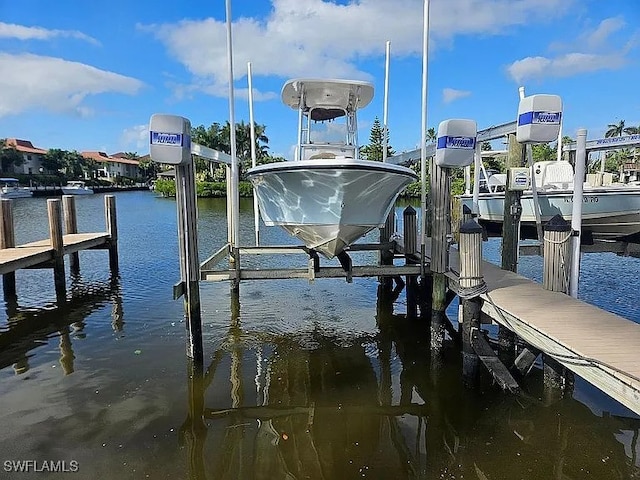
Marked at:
<point>609,212</point>
<point>76,187</point>
<point>327,197</point>
<point>10,188</point>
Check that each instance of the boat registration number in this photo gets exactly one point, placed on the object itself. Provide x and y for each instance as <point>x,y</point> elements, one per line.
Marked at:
<point>585,199</point>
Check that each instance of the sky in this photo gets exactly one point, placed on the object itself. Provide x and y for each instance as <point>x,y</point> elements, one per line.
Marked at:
<point>81,75</point>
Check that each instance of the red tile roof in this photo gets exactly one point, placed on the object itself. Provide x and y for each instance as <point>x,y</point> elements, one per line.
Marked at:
<point>103,157</point>
<point>24,146</point>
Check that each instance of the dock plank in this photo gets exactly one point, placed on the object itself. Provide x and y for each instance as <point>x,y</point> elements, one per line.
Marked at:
<point>35,253</point>
<point>570,329</point>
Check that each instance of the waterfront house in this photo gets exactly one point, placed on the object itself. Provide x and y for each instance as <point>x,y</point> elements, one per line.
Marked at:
<point>32,156</point>
<point>111,167</point>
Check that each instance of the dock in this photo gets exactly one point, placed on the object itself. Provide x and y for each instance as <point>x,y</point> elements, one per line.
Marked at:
<point>50,253</point>
<point>597,345</point>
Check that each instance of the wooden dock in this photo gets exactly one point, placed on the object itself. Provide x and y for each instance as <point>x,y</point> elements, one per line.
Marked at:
<point>597,345</point>
<point>50,253</point>
<point>32,254</point>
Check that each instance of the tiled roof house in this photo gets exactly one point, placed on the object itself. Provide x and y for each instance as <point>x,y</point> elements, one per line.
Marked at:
<point>32,156</point>
<point>112,166</point>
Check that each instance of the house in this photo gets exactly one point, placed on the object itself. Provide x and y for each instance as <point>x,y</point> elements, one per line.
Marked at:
<point>111,167</point>
<point>32,156</point>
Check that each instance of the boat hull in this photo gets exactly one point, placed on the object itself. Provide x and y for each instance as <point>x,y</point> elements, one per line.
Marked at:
<point>607,213</point>
<point>18,193</point>
<point>77,191</point>
<point>328,204</point>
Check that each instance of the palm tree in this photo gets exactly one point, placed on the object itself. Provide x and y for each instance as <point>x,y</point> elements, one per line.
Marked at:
<point>636,150</point>
<point>615,129</point>
<point>432,135</point>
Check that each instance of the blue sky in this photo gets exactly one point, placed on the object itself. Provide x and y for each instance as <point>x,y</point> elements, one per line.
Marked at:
<point>84,75</point>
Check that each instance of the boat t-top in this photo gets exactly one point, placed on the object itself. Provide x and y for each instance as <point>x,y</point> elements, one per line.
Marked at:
<point>327,197</point>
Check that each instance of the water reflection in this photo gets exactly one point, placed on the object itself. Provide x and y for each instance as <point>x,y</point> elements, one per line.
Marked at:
<point>29,328</point>
<point>387,406</point>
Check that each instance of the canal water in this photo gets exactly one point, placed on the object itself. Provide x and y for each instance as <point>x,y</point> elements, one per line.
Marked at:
<point>320,381</point>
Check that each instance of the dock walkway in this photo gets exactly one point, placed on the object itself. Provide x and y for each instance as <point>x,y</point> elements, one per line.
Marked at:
<point>600,346</point>
<point>33,254</point>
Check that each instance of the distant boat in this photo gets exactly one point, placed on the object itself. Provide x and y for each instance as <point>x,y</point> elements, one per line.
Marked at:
<point>609,212</point>
<point>10,188</point>
<point>76,187</point>
<point>327,197</point>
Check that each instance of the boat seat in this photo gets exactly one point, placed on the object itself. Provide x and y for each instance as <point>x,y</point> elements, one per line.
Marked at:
<point>322,155</point>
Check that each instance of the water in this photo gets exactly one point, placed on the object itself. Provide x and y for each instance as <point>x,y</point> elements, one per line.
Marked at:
<point>300,380</point>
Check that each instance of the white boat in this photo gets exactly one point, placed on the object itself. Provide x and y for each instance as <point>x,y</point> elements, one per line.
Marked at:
<point>327,197</point>
<point>609,212</point>
<point>76,187</point>
<point>10,188</point>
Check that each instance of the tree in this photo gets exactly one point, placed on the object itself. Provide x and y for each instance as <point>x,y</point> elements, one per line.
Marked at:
<point>373,151</point>
<point>432,135</point>
<point>542,152</point>
<point>486,147</point>
<point>9,156</point>
<point>54,160</point>
<point>218,138</point>
<point>74,164</point>
<point>615,129</point>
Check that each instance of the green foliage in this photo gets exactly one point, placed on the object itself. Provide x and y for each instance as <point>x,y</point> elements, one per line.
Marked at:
<point>543,152</point>
<point>374,150</point>
<point>167,188</point>
<point>10,157</point>
<point>218,138</point>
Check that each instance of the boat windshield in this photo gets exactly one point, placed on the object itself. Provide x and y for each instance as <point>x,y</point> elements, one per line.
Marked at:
<point>333,130</point>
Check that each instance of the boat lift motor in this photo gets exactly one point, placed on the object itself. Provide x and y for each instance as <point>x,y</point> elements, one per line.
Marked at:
<point>169,139</point>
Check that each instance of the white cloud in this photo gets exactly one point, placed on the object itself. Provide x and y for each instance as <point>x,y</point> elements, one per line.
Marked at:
<point>319,38</point>
<point>590,53</point>
<point>532,68</point>
<point>37,82</point>
<point>20,32</point>
<point>450,94</point>
<point>136,136</point>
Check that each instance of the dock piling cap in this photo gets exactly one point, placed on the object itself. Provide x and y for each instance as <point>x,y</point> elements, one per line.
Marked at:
<point>470,226</point>
<point>557,224</point>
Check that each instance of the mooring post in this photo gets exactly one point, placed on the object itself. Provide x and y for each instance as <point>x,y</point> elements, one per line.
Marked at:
<point>470,282</point>
<point>441,229</point>
<point>557,263</point>
<point>57,243</point>
<point>7,240</point>
<point>557,257</point>
<point>386,255</point>
<point>189,263</point>
<point>71,226</point>
<point>510,241</point>
<point>512,211</point>
<point>410,232</point>
<point>112,230</point>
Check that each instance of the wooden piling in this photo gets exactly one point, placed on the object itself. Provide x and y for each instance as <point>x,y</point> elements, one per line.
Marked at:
<point>386,255</point>
<point>55,235</point>
<point>512,211</point>
<point>557,259</point>
<point>471,283</point>
<point>71,226</point>
<point>7,240</point>
<point>112,230</point>
<point>510,241</point>
<point>441,228</point>
<point>410,233</point>
<point>189,264</point>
